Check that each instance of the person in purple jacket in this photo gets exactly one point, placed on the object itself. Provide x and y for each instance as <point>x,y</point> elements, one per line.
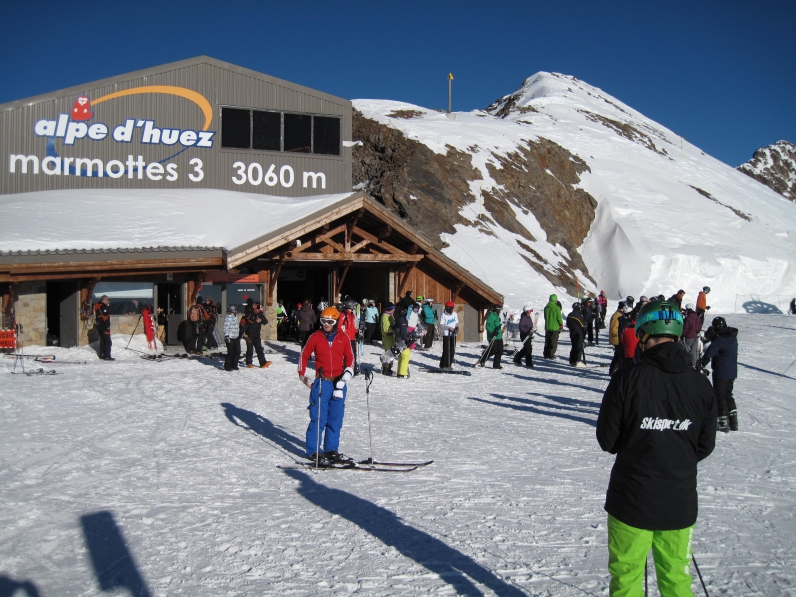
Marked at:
<point>526,336</point>
<point>691,327</point>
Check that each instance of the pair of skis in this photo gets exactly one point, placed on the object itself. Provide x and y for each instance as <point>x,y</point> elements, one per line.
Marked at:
<point>361,465</point>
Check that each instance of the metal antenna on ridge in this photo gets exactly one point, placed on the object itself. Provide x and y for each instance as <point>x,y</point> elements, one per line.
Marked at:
<point>450,92</point>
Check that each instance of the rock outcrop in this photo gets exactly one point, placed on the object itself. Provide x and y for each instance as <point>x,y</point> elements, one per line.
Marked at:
<point>432,190</point>
<point>775,167</point>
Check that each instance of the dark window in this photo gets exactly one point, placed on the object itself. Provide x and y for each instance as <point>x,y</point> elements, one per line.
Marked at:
<point>298,133</point>
<point>326,135</point>
<point>267,130</point>
<point>235,128</point>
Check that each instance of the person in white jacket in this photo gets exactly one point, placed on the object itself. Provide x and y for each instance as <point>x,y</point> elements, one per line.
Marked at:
<point>232,339</point>
<point>448,327</point>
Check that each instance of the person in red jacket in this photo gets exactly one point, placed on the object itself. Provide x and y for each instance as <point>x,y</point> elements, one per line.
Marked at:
<point>349,325</point>
<point>334,362</point>
<point>629,343</point>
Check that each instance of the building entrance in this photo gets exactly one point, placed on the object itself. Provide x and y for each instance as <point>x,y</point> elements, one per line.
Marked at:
<point>63,310</point>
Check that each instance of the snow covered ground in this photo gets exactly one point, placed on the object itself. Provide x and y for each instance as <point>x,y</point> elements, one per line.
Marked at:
<point>149,478</point>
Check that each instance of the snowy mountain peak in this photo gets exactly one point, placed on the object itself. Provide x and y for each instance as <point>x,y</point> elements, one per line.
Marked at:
<point>560,187</point>
<point>775,167</point>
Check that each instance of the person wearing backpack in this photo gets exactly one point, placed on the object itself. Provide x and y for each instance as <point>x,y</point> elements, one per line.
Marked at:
<point>209,326</point>
<point>196,317</point>
<point>430,319</point>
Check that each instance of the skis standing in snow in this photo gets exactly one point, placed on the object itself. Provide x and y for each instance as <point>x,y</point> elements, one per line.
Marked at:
<point>334,362</point>
<point>658,417</point>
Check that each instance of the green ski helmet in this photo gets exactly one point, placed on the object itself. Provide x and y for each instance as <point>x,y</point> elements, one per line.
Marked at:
<point>659,318</point>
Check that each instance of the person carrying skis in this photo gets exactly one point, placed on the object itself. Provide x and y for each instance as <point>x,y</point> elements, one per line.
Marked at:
<point>577,332</point>
<point>494,335</point>
<point>430,320</point>
<point>102,323</point>
<point>692,325</point>
<point>387,335</point>
<point>334,361</point>
<point>526,337</point>
<point>449,328</point>
<point>232,339</point>
<point>553,324</point>
<point>702,303</point>
<point>348,324</point>
<point>722,353</point>
<point>659,418</point>
<point>250,330</point>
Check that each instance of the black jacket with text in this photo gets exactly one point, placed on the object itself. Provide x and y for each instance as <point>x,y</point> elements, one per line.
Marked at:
<point>659,418</point>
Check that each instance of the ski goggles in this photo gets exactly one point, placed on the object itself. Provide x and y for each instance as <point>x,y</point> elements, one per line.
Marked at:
<point>328,321</point>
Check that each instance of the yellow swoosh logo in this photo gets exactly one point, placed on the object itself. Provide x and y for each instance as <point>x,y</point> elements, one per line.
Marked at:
<point>188,94</point>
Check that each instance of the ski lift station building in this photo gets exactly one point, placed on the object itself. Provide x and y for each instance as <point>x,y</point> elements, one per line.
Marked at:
<point>197,178</point>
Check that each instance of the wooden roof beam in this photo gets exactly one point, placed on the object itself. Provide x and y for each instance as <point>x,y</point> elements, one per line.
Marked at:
<point>354,257</point>
<point>374,239</point>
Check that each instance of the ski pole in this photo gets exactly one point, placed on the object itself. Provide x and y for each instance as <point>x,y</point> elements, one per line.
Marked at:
<point>704,588</point>
<point>368,381</point>
<point>134,330</point>
<point>645,575</point>
<point>318,425</point>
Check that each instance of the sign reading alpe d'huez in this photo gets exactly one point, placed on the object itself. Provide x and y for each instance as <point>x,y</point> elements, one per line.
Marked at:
<point>76,129</point>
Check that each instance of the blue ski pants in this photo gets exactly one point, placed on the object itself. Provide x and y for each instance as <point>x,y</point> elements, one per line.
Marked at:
<point>331,415</point>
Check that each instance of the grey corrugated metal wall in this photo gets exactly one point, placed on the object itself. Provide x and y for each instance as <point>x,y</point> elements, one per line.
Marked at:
<point>221,84</point>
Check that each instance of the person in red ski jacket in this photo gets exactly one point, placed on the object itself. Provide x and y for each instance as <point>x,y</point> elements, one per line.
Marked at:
<point>349,325</point>
<point>334,362</point>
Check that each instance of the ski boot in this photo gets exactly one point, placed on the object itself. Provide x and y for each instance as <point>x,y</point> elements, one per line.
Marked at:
<point>334,457</point>
<point>721,424</point>
<point>733,420</point>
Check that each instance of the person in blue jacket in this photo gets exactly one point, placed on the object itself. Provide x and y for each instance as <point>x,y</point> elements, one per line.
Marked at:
<point>723,356</point>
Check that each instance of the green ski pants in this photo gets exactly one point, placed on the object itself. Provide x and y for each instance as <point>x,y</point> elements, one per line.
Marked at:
<point>627,556</point>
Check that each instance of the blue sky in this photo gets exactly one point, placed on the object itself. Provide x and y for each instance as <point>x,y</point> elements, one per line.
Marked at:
<point>720,73</point>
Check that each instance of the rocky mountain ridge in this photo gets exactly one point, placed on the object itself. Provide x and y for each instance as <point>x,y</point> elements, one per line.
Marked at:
<point>775,167</point>
<point>559,187</point>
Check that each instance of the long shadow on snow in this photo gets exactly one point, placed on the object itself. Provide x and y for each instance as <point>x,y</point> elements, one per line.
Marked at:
<point>562,369</point>
<point>767,371</point>
<point>264,428</point>
<point>113,563</point>
<point>10,587</point>
<point>292,355</point>
<point>533,406</point>
<point>452,566</point>
<point>555,382</point>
